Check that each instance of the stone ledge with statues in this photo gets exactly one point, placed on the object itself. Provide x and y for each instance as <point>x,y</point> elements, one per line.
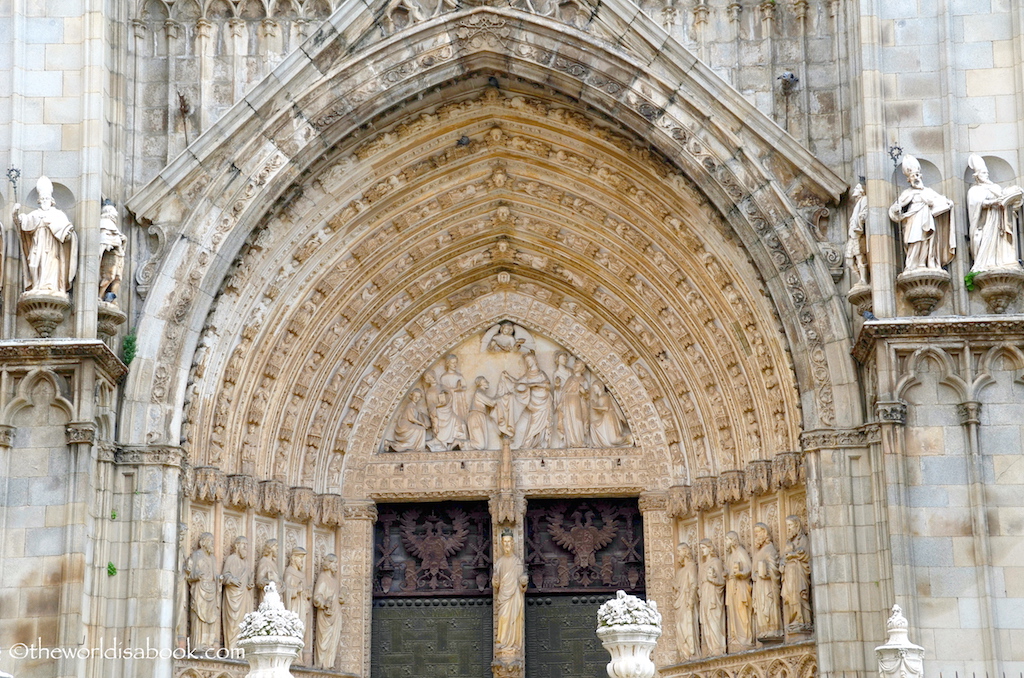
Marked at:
<point>798,660</point>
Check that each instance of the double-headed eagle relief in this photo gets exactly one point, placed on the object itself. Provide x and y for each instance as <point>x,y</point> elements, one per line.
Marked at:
<point>528,391</point>
<point>590,545</point>
<point>433,549</point>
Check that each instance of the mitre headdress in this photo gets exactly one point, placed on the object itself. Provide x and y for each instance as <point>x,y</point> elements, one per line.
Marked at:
<point>44,188</point>
<point>910,165</point>
<point>977,163</point>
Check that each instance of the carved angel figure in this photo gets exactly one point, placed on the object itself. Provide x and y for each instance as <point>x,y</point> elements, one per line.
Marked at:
<point>584,539</point>
<point>507,337</point>
<point>434,546</point>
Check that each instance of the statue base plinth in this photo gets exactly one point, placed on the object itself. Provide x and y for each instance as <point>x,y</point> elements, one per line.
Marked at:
<point>109,318</point>
<point>510,666</point>
<point>270,656</point>
<point>923,288</point>
<point>44,312</point>
<point>1000,287</point>
<point>860,297</point>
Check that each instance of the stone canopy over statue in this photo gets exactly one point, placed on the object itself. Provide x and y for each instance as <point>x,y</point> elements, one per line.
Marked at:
<point>526,389</point>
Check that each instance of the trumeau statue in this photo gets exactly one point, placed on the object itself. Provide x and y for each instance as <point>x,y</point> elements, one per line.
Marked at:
<point>766,575</point>
<point>509,583</point>
<point>686,603</point>
<point>266,569</point>
<point>738,598</point>
<point>49,245</point>
<point>929,237</point>
<point>857,241</point>
<point>570,409</point>
<point>712,600</point>
<point>201,574</point>
<point>112,242</point>
<point>327,602</point>
<point>237,582</point>
<point>796,578</point>
<point>992,211</point>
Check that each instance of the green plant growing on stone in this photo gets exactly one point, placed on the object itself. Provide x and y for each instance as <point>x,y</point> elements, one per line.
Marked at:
<point>969,281</point>
<point>111,569</point>
<point>128,346</point>
<point>113,514</point>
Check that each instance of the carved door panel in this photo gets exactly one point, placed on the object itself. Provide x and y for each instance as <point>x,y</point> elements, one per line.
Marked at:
<point>432,610</point>
<point>560,637</point>
<point>578,553</point>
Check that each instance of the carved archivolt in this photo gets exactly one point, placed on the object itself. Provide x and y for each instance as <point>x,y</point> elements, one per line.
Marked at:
<point>641,305</point>
<point>482,188</point>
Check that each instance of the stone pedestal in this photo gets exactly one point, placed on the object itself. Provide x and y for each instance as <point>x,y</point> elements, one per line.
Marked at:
<point>999,288</point>
<point>899,658</point>
<point>860,297</point>
<point>44,311</point>
<point>629,629</point>
<point>109,318</point>
<point>923,289</point>
<point>270,656</point>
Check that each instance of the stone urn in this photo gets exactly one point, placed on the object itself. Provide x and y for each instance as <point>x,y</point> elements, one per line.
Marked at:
<point>629,629</point>
<point>899,658</point>
<point>271,637</point>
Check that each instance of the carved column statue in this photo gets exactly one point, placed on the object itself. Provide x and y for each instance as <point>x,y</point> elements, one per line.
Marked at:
<point>993,214</point>
<point>510,580</point>
<point>766,575</point>
<point>929,239</point>
<point>201,574</point>
<point>296,592</point>
<point>237,582</point>
<point>712,600</point>
<point>687,604</point>
<point>327,601</point>
<point>796,579</point>
<point>49,261</point>
<point>738,597</point>
<point>267,570</point>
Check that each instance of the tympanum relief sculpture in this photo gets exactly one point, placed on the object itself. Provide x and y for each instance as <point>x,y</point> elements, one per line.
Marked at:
<point>526,389</point>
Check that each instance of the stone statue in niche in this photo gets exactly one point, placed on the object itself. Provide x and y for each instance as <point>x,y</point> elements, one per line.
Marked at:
<point>49,245</point>
<point>327,601</point>
<point>532,392</point>
<point>509,583</point>
<point>296,594</point>
<point>237,582</point>
<point>507,337</point>
<point>607,423</point>
<point>766,575</point>
<point>929,238</point>
<point>480,424</point>
<point>857,241</point>
<point>686,604</point>
<point>112,242</point>
<point>201,575</point>
<point>992,211</point>
<point>738,597</point>
<point>574,408</point>
<point>267,570</point>
<point>796,578</point>
<point>712,600</point>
